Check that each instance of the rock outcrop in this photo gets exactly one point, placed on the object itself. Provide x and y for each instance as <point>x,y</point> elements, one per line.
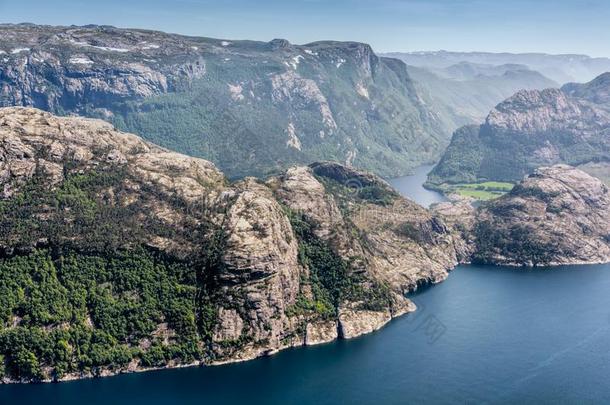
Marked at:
<point>369,225</point>
<point>353,323</point>
<point>246,268</point>
<point>557,215</point>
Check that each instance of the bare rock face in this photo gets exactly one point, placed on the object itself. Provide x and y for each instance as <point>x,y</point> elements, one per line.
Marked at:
<point>460,215</point>
<point>300,190</point>
<point>321,332</point>
<point>395,240</point>
<point>261,272</point>
<point>531,111</point>
<point>353,323</point>
<point>26,133</point>
<point>406,244</point>
<point>557,215</point>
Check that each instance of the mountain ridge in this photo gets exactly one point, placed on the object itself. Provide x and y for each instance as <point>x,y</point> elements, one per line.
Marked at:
<point>561,68</point>
<point>253,108</point>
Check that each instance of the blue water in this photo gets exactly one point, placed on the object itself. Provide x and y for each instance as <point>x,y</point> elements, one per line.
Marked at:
<point>486,335</point>
<point>411,187</point>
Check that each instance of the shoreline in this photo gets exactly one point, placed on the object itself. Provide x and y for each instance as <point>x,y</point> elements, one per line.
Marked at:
<point>104,373</point>
<point>272,351</point>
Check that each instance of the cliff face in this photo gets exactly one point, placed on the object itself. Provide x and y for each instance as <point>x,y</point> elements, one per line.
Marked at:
<point>557,215</point>
<point>369,224</point>
<point>252,108</point>
<point>529,130</point>
<point>120,255</point>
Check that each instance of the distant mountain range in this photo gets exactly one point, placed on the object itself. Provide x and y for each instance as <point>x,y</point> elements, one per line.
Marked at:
<point>464,93</point>
<point>560,68</point>
<point>532,129</point>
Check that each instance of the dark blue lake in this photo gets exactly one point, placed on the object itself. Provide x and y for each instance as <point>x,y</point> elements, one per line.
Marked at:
<point>486,335</point>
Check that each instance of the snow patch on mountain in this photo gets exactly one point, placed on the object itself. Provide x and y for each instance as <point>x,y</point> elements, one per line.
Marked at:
<point>102,48</point>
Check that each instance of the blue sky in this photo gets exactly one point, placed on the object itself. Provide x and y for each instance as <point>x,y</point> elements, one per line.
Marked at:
<point>559,26</point>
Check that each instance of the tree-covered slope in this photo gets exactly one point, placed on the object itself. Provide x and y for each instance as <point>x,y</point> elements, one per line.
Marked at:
<point>252,108</point>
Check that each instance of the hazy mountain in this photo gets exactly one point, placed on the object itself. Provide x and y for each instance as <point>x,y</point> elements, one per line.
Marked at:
<point>597,91</point>
<point>464,93</point>
<point>250,107</point>
<point>533,129</point>
<point>467,70</point>
<point>560,68</point>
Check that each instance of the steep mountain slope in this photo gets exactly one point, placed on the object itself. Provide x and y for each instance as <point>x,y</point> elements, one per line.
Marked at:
<point>466,92</point>
<point>560,68</point>
<point>252,108</point>
<point>117,255</point>
<point>529,130</point>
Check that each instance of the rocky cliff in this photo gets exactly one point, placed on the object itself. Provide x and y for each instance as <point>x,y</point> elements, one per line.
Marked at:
<point>252,108</point>
<point>533,129</point>
<point>118,255</point>
<point>557,215</point>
